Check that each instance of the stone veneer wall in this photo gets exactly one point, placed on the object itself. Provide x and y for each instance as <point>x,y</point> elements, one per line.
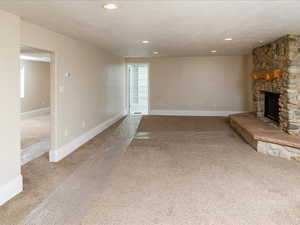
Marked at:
<point>283,54</point>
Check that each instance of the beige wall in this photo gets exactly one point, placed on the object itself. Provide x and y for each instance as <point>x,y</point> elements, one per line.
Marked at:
<point>9,99</point>
<point>214,83</point>
<point>95,90</point>
<point>94,93</point>
<point>248,72</point>
<point>37,85</point>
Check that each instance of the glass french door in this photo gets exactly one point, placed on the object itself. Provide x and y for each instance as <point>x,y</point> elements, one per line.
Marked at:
<point>138,89</point>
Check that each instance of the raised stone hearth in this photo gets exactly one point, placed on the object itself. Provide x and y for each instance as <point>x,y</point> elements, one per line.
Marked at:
<point>265,138</point>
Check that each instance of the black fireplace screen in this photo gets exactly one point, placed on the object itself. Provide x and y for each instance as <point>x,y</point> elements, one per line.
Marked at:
<point>272,106</point>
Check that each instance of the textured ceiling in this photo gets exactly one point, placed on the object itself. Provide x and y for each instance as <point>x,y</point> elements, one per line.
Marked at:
<point>174,28</point>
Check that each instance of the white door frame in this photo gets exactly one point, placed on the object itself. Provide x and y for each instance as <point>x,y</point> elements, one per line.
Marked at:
<point>54,99</point>
<point>54,96</point>
<point>128,85</point>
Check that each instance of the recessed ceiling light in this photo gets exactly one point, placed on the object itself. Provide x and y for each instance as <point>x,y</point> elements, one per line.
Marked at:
<point>228,39</point>
<point>110,6</point>
<point>155,52</point>
<point>213,51</point>
<point>145,42</point>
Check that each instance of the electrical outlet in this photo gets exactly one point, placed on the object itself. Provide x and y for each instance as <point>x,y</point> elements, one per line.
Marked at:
<point>83,124</point>
<point>66,132</point>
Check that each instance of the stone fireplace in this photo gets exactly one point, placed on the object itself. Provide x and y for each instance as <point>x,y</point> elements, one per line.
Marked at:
<point>274,126</point>
<point>277,72</point>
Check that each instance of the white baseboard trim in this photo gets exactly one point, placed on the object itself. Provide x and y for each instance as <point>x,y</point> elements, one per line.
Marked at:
<point>11,189</point>
<point>192,113</point>
<point>60,153</point>
<point>36,112</point>
<point>34,151</point>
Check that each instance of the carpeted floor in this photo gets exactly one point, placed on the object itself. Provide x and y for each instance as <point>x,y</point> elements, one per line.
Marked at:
<point>41,178</point>
<point>196,170</point>
<point>34,130</point>
<point>177,170</point>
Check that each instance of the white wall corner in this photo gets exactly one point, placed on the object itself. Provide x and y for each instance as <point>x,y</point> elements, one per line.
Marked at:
<point>56,155</point>
<point>36,112</point>
<point>11,189</point>
<point>192,113</point>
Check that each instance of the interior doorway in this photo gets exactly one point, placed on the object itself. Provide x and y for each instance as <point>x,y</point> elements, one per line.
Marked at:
<point>35,96</point>
<point>138,88</point>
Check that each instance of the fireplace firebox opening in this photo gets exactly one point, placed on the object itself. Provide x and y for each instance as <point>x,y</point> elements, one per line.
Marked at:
<point>272,106</point>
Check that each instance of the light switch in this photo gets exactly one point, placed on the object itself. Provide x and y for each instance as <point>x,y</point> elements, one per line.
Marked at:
<point>61,89</point>
<point>66,132</point>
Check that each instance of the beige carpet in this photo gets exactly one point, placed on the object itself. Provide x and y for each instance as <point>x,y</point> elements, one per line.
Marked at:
<point>34,130</point>
<point>177,170</point>
<point>196,170</point>
<point>41,178</point>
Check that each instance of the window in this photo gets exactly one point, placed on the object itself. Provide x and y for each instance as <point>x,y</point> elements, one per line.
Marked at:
<point>22,82</point>
<point>138,88</point>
